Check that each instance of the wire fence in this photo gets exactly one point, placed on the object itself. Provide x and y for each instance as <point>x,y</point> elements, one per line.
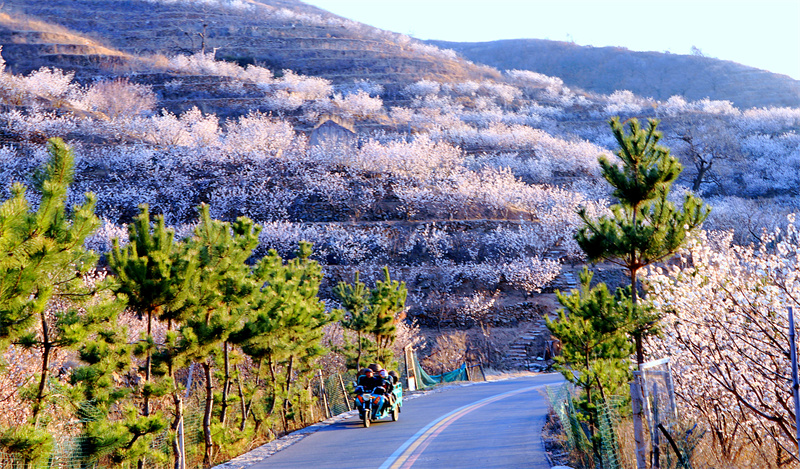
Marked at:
<point>68,453</point>
<point>659,393</point>
<point>332,396</point>
<point>334,393</point>
<point>577,437</point>
<point>614,433</point>
<point>561,401</point>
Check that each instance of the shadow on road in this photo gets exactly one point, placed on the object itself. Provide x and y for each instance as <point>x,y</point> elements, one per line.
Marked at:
<point>351,423</point>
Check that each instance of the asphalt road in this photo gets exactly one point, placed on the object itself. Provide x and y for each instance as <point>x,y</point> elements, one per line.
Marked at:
<point>487,425</point>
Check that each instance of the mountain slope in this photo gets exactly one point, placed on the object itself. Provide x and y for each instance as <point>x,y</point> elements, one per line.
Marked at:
<point>651,74</point>
<point>279,34</point>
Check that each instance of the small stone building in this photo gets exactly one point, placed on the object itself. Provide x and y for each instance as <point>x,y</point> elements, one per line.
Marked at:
<point>334,132</point>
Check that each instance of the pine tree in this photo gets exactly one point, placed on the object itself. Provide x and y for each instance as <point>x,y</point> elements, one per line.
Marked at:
<point>372,313</point>
<point>644,227</point>
<point>43,259</point>
<point>106,355</point>
<point>595,349</point>
<point>285,330</point>
<point>153,274</point>
<point>386,302</point>
<point>213,308</point>
<point>353,298</point>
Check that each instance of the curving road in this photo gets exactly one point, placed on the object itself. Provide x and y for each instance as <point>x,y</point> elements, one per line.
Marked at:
<point>487,425</point>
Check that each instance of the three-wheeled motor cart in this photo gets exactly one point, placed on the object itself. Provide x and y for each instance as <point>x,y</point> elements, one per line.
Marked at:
<point>377,403</point>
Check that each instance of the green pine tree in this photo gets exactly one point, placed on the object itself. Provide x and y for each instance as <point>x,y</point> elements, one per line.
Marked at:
<point>43,262</point>
<point>353,298</point>
<point>372,314</point>
<point>595,349</point>
<point>644,227</point>
<point>387,301</point>
<point>216,301</point>
<point>153,275</point>
<point>285,330</point>
<point>112,443</point>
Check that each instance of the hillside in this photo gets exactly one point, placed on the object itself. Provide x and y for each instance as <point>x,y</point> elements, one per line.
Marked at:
<point>377,148</point>
<point>651,74</point>
<point>110,36</point>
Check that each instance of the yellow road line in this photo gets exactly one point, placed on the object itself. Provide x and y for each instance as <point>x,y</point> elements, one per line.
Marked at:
<point>405,456</point>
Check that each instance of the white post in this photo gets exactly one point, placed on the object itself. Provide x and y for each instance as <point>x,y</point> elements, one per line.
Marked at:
<point>638,421</point>
<point>181,446</point>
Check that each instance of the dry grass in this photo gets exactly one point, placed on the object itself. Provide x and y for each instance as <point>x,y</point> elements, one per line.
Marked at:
<point>251,36</point>
<point>706,455</point>
<point>49,33</point>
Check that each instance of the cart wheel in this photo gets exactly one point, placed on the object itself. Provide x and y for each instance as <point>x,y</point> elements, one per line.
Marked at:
<point>395,413</point>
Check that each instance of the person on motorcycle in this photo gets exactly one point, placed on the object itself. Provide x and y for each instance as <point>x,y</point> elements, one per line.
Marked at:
<point>388,382</point>
<point>369,381</point>
<point>388,385</point>
<point>361,374</point>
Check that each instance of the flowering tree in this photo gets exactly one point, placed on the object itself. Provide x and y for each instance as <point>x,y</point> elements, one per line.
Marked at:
<point>120,98</point>
<point>704,142</point>
<point>726,331</point>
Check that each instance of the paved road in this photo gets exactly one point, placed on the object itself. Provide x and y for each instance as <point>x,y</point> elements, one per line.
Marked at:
<point>486,425</point>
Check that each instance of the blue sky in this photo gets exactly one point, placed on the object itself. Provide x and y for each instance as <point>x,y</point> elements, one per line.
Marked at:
<point>764,34</point>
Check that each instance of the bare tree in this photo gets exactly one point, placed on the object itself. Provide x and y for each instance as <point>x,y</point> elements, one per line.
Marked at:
<point>706,141</point>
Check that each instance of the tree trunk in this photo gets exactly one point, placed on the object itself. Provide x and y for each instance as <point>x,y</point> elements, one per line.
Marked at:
<point>46,348</point>
<point>637,333</point>
<point>358,358</point>
<point>177,429</point>
<point>242,404</point>
<point>147,371</point>
<point>702,169</point>
<point>148,366</point>
<point>287,390</point>
<point>273,385</point>
<point>226,385</point>
<point>209,442</point>
<point>178,447</point>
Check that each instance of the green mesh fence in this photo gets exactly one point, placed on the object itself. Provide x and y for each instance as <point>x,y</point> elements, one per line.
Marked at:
<point>561,400</point>
<point>609,420</point>
<point>559,397</point>
<point>424,380</point>
<point>337,390</point>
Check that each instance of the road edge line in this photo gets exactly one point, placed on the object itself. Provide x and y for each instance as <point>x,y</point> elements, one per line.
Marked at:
<point>263,452</point>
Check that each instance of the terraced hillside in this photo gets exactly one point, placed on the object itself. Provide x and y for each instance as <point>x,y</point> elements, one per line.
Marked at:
<point>93,36</point>
<point>28,43</point>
